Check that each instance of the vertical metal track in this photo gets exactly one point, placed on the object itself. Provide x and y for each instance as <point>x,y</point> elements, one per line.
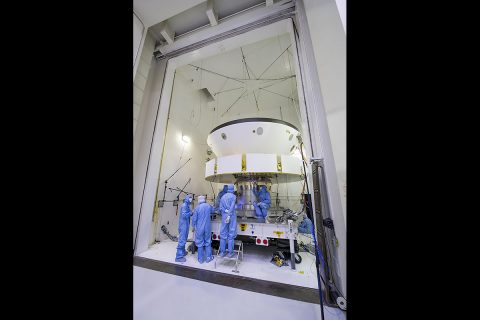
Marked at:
<point>324,235</point>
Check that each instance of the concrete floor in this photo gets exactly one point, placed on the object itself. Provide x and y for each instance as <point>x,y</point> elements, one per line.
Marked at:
<point>256,264</point>
<point>159,295</point>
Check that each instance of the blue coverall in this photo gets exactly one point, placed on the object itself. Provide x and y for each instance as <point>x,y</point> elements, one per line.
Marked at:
<point>203,230</point>
<point>263,202</point>
<point>306,226</point>
<point>183,224</point>
<point>228,230</point>
<point>220,195</point>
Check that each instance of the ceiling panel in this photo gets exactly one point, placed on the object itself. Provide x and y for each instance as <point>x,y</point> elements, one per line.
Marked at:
<point>155,11</point>
<point>238,93</point>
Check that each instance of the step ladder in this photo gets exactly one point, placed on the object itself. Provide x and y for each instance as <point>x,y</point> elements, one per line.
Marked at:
<point>238,249</point>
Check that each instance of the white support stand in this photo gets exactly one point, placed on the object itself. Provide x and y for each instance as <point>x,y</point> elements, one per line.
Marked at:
<point>237,258</point>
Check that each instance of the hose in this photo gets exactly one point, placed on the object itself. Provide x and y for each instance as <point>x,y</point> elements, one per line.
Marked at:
<point>165,231</point>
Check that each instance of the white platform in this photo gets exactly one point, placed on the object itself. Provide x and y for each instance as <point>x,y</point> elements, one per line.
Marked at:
<point>256,264</point>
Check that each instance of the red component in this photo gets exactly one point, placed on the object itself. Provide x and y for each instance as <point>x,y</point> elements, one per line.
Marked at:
<point>214,236</point>
<point>259,241</point>
<point>265,241</point>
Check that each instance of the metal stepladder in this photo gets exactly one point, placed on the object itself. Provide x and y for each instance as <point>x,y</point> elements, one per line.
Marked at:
<point>238,249</point>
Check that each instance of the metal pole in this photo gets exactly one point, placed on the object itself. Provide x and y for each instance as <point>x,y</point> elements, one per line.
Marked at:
<point>292,243</point>
<point>327,243</point>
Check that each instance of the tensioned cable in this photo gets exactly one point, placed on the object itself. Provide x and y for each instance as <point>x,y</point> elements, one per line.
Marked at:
<point>274,61</point>
<point>239,79</point>
<point>234,103</point>
<point>216,73</point>
<point>281,95</point>
<point>228,90</point>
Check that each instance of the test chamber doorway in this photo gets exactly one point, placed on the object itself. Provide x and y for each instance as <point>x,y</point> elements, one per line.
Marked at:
<point>148,229</point>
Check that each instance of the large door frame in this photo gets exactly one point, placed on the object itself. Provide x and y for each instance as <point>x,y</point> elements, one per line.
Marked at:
<point>312,112</point>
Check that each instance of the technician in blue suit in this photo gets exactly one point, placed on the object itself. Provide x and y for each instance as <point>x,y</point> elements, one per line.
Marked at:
<point>306,226</point>
<point>228,229</point>
<point>220,195</point>
<point>263,202</point>
<point>183,223</point>
<point>203,230</point>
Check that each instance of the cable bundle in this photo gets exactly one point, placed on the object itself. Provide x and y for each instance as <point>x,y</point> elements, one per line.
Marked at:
<point>173,238</point>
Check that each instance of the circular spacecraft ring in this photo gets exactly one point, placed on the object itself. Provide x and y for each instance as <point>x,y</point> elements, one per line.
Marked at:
<point>253,120</point>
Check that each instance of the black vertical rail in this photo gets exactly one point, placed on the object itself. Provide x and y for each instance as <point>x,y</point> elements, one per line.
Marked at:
<point>319,202</point>
<point>329,234</point>
<point>317,258</point>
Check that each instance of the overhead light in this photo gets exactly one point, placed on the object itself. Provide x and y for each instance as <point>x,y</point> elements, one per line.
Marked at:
<point>185,139</point>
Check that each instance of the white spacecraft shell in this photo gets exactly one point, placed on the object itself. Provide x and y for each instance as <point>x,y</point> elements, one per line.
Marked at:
<point>242,151</point>
<point>253,135</point>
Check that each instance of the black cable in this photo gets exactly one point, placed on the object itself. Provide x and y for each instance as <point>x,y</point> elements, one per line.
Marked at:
<point>178,169</point>
<point>245,62</point>
<point>165,231</point>
<point>178,195</point>
<point>183,191</point>
<point>216,73</point>
<point>166,180</point>
<point>273,62</point>
<point>304,247</point>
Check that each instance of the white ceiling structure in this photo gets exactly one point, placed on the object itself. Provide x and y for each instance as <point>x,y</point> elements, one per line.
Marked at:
<point>257,80</point>
<point>186,15</point>
<point>249,92</point>
<point>183,16</point>
<point>154,11</point>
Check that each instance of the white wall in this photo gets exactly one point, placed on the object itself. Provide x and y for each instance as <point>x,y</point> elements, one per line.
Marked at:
<point>337,121</point>
<point>138,30</point>
<point>329,46</point>
<point>143,136</point>
<point>141,76</point>
<point>187,110</point>
<point>191,115</point>
<point>342,10</point>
